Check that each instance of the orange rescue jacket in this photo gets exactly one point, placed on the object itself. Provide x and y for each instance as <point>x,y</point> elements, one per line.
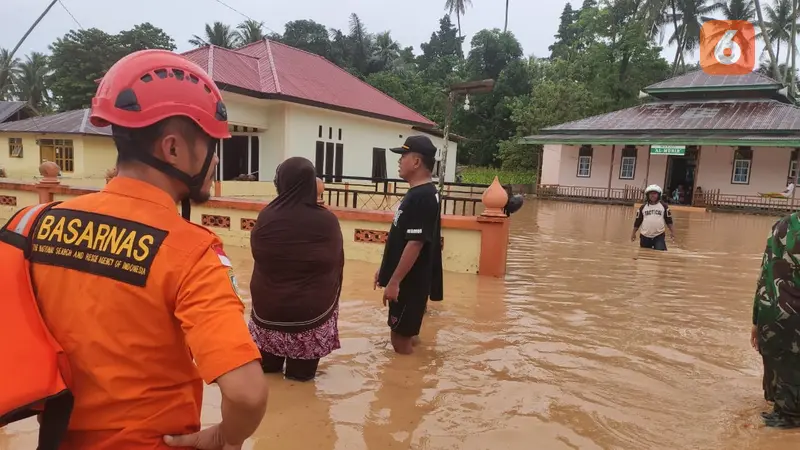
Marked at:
<point>36,377</point>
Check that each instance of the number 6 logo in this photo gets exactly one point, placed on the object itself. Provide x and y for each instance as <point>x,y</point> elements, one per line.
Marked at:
<point>727,47</point>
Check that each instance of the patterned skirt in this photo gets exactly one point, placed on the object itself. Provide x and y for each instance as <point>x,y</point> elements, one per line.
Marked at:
<point>310,344</point>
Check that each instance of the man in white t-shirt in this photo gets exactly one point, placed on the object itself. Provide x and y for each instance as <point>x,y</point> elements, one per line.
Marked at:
<point>652,220</point>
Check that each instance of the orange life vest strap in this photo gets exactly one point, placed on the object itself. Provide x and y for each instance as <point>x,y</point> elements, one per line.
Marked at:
<point>55,410</point>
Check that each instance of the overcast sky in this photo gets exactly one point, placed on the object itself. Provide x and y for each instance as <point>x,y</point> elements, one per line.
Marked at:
<point>534,22</point>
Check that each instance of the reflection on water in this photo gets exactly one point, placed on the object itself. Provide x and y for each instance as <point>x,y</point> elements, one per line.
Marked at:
<point>589,343</point>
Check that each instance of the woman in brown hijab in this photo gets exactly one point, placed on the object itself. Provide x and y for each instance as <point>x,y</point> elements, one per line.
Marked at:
<point>297,276</point>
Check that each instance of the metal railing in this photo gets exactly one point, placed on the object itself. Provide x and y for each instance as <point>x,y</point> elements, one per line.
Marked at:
<point>389,201</point>
<point>714,199</point>
<point>627,194</point>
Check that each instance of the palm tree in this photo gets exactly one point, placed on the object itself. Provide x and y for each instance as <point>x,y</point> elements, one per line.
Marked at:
<point>505,27</point>
<point>32,82</point>
<point>762,25</point>
<point>690,14</point>
<point>385,50</point>
<point>250,31</point>
<point>779,27</point>
<point>8,72</point>
<point>459,7</point>
<point>739,10</point>
<point>217,34</point>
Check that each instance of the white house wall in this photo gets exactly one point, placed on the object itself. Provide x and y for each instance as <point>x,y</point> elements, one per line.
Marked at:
<point>359,136</point>
<point>246,111</point>
<point>273,144</point>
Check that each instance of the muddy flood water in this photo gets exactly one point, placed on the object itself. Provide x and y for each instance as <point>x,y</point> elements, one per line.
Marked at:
<point>589,343</point>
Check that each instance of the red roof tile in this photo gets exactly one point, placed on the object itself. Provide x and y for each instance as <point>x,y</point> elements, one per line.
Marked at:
<point>279,71</point>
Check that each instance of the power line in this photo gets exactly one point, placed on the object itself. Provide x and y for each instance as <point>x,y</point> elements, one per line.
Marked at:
<point>70,14</point>
<point>242,14</point>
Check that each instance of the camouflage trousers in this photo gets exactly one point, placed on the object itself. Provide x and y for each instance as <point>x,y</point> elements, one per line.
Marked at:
<point>769,380</point>
<point>782,381</point>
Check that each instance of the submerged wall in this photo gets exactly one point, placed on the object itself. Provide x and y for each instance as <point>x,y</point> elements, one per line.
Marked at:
<point>471,244</point>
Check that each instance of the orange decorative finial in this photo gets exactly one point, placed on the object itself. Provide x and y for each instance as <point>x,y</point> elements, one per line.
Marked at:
<point>49,172</point>
<point>494,199</point>
<point>320,190</point>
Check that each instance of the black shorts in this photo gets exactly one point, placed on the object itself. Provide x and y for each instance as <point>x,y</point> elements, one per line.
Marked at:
<point>405,315</point>
<point>656,243</point>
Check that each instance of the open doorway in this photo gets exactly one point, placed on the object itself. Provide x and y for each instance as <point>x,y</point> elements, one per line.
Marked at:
<point>681,171</point>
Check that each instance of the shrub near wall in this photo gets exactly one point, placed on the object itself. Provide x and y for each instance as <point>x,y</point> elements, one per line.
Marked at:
<point>485,175</point>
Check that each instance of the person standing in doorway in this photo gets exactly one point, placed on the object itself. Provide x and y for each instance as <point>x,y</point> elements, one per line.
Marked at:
<point>411,270</point>
<point>652,219</point>
<point>776,323</point>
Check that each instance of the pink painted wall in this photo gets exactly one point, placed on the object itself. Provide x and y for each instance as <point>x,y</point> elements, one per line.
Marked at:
<point>768,171</point>
<point>560,166</point>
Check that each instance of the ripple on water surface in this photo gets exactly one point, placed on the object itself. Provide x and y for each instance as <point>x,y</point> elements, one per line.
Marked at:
<point>589,343</point>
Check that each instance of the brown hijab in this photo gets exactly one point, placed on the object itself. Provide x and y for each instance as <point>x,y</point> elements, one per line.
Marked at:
<point>299,256</point>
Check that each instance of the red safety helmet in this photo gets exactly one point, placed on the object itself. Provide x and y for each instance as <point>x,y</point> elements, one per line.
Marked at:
<point>151,85</point>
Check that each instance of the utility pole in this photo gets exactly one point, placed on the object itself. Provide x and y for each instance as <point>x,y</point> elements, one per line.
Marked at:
<point>50,6</point>
<point>470,87</point>
<point>793,40</point>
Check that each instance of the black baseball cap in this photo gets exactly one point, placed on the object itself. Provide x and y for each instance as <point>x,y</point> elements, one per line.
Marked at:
<point>417,144</point>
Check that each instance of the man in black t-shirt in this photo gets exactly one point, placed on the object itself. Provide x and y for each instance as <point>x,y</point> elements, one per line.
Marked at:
<point>411,270</point>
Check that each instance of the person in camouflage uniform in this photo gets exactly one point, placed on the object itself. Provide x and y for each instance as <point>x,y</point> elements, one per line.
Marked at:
<point>776,322</point>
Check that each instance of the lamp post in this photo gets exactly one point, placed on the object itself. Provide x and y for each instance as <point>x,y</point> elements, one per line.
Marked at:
<point>470,87</point>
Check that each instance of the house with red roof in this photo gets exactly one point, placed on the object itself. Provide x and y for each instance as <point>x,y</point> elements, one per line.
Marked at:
<point>711,141</point>
<point>281,102</point>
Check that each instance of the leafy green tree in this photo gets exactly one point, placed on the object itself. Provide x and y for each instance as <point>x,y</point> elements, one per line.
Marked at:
<point>309,36</point>
<point>492,51</point>
<point>80,57</point>
<point>360,43</point>
<point>566,35</point>
<point>77,59</point>
<point>385,52</point>
<point>442,54</point>
<point>218,34</point>
<point>143,36</point>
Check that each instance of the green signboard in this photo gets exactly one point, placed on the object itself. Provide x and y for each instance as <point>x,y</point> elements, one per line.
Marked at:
<point>679,150</point>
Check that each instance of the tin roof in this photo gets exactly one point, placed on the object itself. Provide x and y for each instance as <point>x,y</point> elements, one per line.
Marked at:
<point>269,69</point>
<point>699,80</point>
<point>70,122</point>
<point>693,138</point>
<point>8,109</point>
<point>756,116</point>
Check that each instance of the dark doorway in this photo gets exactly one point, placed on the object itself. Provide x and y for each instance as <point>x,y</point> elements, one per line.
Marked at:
<point>681,171</point>
<point>234,157</point>
<point>378,164</point>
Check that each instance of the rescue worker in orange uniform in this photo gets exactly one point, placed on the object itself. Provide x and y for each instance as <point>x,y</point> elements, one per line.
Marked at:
<point>144,302</point>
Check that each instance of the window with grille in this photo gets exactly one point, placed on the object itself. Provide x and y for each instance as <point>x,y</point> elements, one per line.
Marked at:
<point>15,147</point>
<point>742,161</point>
<point>793,165</point>
<point>63,151</point>
<point>627,167</point>
<point>585,161</point>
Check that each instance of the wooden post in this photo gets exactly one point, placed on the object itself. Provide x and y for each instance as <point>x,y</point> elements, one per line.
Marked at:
<point>796,174</point>
<point>611,171</point>
<point>696,173</point>
<point>647,171</point>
